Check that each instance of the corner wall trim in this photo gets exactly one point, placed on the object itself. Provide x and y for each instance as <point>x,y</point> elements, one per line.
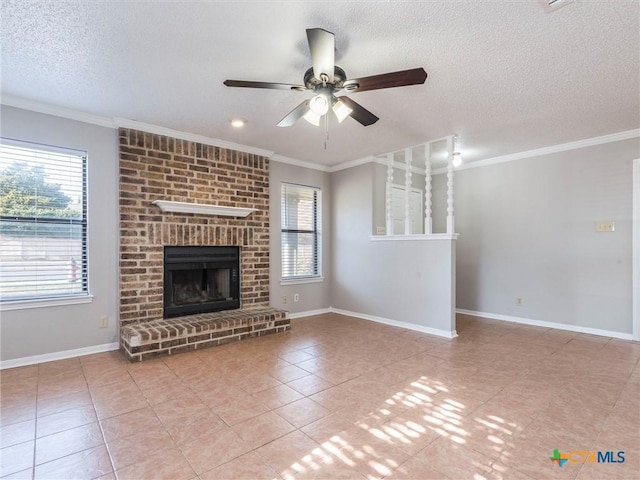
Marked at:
<point>542,323</point>
<point>395,323</point>
<point>50,357</point>
<point>309,313</point>
<point>635,249</point>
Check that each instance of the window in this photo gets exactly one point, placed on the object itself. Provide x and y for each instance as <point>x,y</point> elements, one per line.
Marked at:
<point>43,222</point>
<point>300,232</point>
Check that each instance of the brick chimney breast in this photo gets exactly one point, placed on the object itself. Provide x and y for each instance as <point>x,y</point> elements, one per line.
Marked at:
<point>157,167</point>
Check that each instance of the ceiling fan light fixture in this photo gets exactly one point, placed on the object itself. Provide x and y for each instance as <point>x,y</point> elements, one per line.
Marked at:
<point>341,110</point>
<point>324,78</point>
<point>312,117</point>
<point>319,105</point>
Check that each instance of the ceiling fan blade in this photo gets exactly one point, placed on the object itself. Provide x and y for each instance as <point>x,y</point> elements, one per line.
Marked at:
<point>273,86</point>
<point>322,46</point>
<point>414,76</point>
<point>294,115</point>
<point>359,113</point>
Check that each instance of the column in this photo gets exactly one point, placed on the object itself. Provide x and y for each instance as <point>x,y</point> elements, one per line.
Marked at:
<point>450,217</point>
<point>389,184</point>
<point>428,223</point>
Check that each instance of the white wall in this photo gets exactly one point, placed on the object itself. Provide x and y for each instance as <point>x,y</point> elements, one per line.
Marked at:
<point>411,282</point>
<point>39,331</point>
<point>313,296</point>
<point>527,229</point>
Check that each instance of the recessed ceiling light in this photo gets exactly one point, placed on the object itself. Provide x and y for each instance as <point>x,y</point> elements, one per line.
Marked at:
<point>238,122</point>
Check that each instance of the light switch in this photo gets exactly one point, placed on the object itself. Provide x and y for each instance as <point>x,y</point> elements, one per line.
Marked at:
<point>605,226</point>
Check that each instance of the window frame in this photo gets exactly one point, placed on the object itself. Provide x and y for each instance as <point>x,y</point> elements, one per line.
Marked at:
<point>42,299</point>
<point>316,232</point>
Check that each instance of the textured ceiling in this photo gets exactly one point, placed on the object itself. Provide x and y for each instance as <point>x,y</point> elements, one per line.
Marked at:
<point>506,76</point>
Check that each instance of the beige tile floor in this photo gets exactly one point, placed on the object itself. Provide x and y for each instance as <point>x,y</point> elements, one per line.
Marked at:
<point>336,398</point>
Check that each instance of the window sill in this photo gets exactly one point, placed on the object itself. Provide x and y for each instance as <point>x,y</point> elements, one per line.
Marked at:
<point>45,302</point>
<point>297,281</point>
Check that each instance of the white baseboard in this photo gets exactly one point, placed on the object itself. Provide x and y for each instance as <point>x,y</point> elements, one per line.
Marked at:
<point>50,357</point>
<point>309,313</point>
<point>396,323</point>
<point>541,323</point>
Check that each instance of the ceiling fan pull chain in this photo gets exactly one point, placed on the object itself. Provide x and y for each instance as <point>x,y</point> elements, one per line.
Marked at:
<point>326,131</point>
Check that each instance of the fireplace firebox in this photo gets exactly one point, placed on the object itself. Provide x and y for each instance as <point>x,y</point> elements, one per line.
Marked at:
<point>200,280</point>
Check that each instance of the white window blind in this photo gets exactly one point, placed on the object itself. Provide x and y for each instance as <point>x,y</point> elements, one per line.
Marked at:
<point>43,222</point>
<point>300,231</point>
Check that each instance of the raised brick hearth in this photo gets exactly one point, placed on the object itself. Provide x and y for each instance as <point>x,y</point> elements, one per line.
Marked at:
<point>156,167</point>
<point>165,337</point>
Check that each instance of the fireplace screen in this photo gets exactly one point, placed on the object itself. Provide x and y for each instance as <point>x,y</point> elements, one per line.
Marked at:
<point>200,280</point>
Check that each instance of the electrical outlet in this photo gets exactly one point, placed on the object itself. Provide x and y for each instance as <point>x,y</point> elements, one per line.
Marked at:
<point>103,322</point>
<point>284,299</point>
<point>519,301</point>
<point>605,226</point>
<point>296,297</point>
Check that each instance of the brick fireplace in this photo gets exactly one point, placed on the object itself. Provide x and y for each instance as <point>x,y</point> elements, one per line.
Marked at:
<point>156,167</point>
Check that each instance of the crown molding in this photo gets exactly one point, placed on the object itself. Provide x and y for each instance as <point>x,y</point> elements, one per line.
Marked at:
<point>563,147</point>
<point>340,166</point>
<point>352,163</point>
<point>299,163</point>
<point>68,113</point>
<point>117,122</point>
<point>48,109</point>
<point>191,137</point>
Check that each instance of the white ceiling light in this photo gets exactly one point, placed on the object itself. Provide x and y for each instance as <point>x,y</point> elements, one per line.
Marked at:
<point>457,159</point>
<point>238,122</point>
<point>341,110</point>
<point>319,105</point>
<point>312,117</point>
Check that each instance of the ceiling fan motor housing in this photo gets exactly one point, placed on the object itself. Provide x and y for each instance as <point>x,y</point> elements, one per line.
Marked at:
<point>311,82</point>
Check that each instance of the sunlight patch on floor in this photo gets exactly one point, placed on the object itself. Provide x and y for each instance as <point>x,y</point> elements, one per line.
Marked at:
<point>432,409</point>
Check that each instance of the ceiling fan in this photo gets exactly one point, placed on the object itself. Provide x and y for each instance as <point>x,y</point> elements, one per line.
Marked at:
<point>325,79</point>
